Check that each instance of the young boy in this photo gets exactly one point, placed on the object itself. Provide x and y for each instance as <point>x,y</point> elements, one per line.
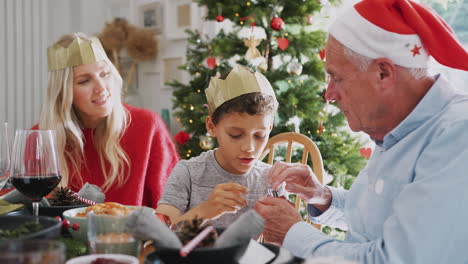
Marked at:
<point>221,184</point>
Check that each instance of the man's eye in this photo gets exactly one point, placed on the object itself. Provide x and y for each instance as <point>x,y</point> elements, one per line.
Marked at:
<point>105,74</point>
<point>260,136</point>
<point>83,81</point>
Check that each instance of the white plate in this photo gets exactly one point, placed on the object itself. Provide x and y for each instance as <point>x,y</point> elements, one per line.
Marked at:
<point>90,258</point>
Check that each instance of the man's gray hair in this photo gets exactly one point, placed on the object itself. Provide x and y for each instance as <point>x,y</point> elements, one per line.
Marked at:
<point>362,63</point>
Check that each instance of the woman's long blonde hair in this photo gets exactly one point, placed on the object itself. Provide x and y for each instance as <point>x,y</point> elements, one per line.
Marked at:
<point>59,114</point>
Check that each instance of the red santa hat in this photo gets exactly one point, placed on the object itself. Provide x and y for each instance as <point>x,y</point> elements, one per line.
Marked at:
<point>401,30</point>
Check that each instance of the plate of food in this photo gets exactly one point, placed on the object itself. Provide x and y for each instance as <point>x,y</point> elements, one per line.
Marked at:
<point>26,227</point>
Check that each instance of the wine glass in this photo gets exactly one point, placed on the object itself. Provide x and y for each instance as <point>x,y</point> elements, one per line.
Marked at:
<point>4,154</point>
<point>35,167</point>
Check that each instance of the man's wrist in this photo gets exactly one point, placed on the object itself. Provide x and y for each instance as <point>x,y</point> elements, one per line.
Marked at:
<point>323,202</point>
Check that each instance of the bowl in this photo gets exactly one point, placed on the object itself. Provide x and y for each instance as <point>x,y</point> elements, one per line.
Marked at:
<point>82,233</point>
<point>70,215</point>
<point>115,257</point>
<point>225,255</point>
<point>33,252</point>
<point>50,227</point>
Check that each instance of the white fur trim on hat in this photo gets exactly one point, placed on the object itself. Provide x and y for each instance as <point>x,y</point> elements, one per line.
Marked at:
<point>365,38</point>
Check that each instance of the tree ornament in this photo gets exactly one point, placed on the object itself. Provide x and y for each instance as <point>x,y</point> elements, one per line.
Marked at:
<point>263,67</point>
<point>322,54</point>
<point>283,43</point>
<point>365,152</point>
<point>252,37</point>
<point>320,128</point>
<point>296,121</point>
<point>211,62</point>
<point>219,18</point>
<point>207,142</point>
<point>294,67</point>
<point>182,137</point>
<point>277,23</point>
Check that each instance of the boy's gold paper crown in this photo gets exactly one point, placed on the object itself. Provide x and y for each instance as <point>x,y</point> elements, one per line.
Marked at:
<point>241,80</point>
<point>80,51</point>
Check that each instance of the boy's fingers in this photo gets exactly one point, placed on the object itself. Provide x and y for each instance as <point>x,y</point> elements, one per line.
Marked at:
<point>232,186</point>
<point>239,199</point>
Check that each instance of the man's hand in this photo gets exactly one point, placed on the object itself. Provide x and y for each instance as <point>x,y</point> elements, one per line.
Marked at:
<point>225,198</point>
<point>300,180</point>
<point>279,217</point>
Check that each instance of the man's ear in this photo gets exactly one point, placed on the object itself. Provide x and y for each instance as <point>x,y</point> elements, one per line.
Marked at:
<point>210,126</point>
<point>385,68</point>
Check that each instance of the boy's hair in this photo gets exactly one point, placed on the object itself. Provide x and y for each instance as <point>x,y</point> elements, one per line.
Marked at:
<point>251,103</point>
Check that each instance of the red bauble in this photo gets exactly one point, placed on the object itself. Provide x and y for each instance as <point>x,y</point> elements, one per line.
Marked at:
<point>283,43</point>
<point>277,23</point>
<point>211,62</point>
<point>219,18</point>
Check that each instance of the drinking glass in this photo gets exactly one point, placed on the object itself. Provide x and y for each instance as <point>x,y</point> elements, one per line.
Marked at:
<point>4,154</point>
<point>32,252</point>
<point>110,234</point>
<point>35,168</point>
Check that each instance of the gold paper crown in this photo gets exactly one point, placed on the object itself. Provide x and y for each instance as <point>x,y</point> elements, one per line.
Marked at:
<point>241,80</point>
<point>80,51</point>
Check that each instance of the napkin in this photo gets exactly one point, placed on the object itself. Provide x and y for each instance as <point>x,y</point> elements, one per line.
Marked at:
<point>146,226</point>
<point>92,192</point>
<point>247,226</point>
<point>15,197</point>
<point>6,207</point>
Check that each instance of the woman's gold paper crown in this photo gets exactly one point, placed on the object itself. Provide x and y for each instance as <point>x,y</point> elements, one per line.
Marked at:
<point>80,51</point>
<point>241,80</point>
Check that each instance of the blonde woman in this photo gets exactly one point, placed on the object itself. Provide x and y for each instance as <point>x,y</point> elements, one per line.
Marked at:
<point>125,150</point>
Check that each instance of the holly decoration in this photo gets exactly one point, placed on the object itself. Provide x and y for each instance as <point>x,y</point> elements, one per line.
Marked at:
<point>277,23</point>
<point>219,18</point>
<point>283,43</point>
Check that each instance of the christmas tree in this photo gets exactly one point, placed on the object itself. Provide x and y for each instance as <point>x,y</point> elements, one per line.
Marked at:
<point>279,39</point>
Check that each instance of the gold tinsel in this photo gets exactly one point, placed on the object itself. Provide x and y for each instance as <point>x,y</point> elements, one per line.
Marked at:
<point>141,45</point>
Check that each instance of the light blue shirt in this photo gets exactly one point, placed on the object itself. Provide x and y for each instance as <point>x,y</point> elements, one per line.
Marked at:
<point>410,203</point>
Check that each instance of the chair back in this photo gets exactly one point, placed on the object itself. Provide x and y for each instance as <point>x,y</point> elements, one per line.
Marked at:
<point>293,140</point>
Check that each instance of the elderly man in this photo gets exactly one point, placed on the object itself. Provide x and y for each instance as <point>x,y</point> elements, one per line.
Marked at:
<point>409,205</point>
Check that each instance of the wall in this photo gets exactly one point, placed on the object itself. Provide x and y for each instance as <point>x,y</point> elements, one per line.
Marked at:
<point>23,62</point>
<point>76,15</point>
<point>28,27</point>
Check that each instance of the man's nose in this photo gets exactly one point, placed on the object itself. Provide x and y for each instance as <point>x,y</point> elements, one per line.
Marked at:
<point>330,94</point>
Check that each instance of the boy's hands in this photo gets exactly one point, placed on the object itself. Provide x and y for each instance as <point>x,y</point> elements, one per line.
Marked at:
<point>226,197</point>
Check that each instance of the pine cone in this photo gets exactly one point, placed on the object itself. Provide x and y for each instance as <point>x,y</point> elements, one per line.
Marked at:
<point>63,196</point>
<point>188,229</point>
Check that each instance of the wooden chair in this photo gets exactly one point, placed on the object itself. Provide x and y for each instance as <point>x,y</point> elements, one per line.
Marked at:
<point>309,149</point>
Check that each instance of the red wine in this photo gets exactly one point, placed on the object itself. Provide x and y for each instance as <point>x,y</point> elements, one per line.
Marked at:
<point>35,187</point>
